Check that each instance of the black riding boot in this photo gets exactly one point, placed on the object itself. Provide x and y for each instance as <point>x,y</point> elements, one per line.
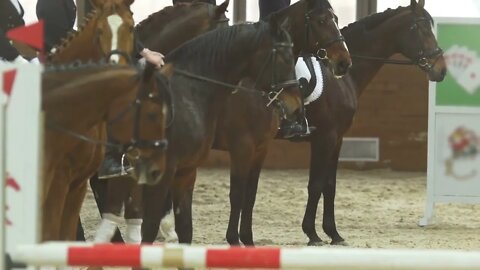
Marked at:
<point>114,164</point>
<point>295,129</point>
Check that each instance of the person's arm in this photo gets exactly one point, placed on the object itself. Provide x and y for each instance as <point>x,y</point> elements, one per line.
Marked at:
<point>7,51</point>
<point>153,57</point>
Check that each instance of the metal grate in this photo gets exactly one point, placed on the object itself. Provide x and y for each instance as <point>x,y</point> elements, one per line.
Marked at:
<point>360,149</point>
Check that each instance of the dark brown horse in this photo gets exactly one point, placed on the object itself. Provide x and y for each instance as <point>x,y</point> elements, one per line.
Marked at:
<point>246,129</point>
<point>261,51</point>
<point>162,31</point>
<point>77,99</point>
<point>372,40</point>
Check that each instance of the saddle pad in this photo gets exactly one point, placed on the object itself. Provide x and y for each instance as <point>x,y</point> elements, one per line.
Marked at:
<point>303,71</point>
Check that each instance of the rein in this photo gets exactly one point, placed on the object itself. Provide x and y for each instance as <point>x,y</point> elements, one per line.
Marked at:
<point>276,88</point>
<point>136,142</point>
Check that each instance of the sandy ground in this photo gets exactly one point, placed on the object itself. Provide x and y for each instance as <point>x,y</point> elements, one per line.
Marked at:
<point>378,208</point>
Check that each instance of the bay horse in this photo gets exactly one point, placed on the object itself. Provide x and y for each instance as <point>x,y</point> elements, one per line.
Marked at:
<point>246,129</point>
<point>162,31</point>
<point>107,33</point>
<point>108,28</point>
<point>314,31</point>
<point>372,40</point>
<point>76,99</point>
<point>215,62</point>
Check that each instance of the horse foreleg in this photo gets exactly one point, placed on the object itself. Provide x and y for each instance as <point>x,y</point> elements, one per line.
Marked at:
<point>71,212</point>
<point>329,226</point>
<point>154,198</point>
<point>118,191</point>
<point>134,214</point>
<point>322,147</point>
<point>241,155</point>
<point>182,193</point>
<point>53,204</point>
<point>100,188</point>
<point>246,233</point>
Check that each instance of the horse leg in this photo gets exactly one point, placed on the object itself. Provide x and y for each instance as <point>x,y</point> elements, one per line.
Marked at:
<point>53,204</point>
<point>134,214</point>
<point>241,155</point>
<point>71,211</point>
<point>182,193</point>
<point>329,226</point>
<point>246,232</point>
<point>118,190</point>
<point>322,147</point>
<point>99,189</point>
<point>167,225</point>
<point>154,198</point>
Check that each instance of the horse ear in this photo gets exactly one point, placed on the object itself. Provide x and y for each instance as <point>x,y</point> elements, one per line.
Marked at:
<point>128,2</point>
<point>277,24</point>
<point>311,4</point>
<point>96,3</point>
<point>421,3</point>
<point>413,3</point>
<point>220,10</point>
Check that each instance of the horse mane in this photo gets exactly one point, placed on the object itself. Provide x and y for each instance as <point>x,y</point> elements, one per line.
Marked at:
<point>71,35</point>
<point>376,19</point>
<point>164,16</point>
<point>200,50</point>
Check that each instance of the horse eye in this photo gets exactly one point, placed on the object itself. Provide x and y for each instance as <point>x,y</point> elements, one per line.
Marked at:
<point>152,116</point>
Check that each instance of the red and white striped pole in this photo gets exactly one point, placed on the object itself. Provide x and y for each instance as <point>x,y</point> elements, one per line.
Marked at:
<point>74,254</point>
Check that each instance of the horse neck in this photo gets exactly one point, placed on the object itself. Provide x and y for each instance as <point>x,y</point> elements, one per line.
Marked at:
<point>172,35</point>
<point>376,43</point>
<point>81,46</point>
<point>296,18</point>
<point>86,99</point>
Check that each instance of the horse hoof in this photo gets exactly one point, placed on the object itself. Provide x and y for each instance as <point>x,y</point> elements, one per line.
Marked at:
<point>342,243</point>
<point>316,243</point>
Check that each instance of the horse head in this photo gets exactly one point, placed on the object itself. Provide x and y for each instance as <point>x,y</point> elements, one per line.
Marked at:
<point>109,26</point>
<point>323,37</point>
<point>141,128</point>
<point>416,40</point>
<point>114,30</point>
<point>277,71</point>
<point>166,29</point>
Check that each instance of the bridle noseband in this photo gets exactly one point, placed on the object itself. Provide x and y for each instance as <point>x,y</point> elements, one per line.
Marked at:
<point>321,49</point>
<point>422,58</point>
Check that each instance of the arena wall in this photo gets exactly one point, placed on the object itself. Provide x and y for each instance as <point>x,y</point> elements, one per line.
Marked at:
<point>393,108</point>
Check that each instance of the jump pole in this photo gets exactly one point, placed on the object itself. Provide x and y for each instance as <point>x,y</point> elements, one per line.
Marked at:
<point>83,254</point>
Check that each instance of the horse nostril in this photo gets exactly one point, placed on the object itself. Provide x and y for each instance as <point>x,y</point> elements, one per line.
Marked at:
<point>344,66</point>
<point>156,174</point>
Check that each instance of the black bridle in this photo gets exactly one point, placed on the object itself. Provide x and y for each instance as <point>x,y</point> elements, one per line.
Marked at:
<point>321,49</point>
<point>136,142</point>
<point>422,58</point>
<point>276,88</point>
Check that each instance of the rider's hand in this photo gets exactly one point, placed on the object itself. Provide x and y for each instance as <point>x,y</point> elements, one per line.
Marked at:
<point>155,58</point>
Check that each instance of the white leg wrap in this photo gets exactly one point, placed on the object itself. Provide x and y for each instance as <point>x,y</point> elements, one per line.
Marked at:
<point>107,228</point>
<point>167,228</point>
<point>134,231</point>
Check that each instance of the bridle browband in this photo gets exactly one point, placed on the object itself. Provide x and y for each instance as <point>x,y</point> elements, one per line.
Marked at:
<point>421,60</point>
<point>321,49</point>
